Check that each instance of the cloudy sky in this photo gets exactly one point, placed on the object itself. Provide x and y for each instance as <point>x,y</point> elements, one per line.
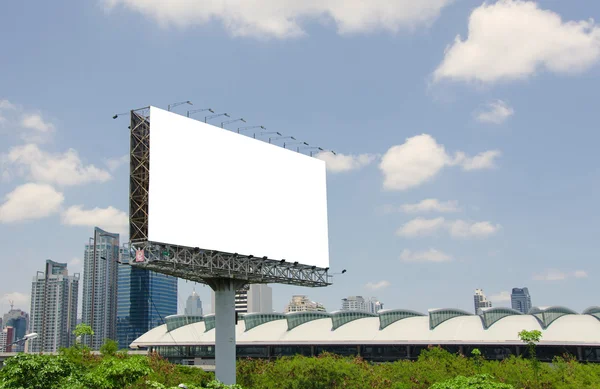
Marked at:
<point>466,132</point>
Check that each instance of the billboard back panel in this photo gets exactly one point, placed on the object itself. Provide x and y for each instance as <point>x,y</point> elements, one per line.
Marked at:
<point>218,190</point>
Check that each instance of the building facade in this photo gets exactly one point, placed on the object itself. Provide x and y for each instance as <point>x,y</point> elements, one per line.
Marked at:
<point>374,305</point>
<point>301,303</point>
<point>260,299</point>
<point>53,316</point>
<point>520,300</point>
<point>99,305</point>
<point>193,305</point>
<point>354,303</point>
<point>19,321</point>
<point>144,299</point>
<point>480,301</point>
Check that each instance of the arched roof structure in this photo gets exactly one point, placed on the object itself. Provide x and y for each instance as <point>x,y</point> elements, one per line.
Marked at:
<point>390,316</point>
<point>295,319</point>
<point>252,320</point>
<point>339,318</point>
<point>438,316</point>
<point>547,315</point>
<point>175,321</point>
<point>489,316</point>
<point>593,311</point>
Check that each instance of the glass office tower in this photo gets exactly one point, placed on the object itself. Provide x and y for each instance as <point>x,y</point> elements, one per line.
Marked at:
<point>144,298</point>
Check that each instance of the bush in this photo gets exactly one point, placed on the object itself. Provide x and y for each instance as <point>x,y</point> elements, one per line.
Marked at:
<point>482,381</point>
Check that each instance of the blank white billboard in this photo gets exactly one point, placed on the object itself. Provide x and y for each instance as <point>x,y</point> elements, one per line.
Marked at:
<point>218,190</point>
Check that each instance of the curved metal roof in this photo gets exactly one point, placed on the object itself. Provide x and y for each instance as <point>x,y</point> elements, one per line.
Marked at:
<point>438,316</point>
<point>568,329</point>
<point>209,322</point>
<point>295,319</point>
<point>547,315</point>
<point>175,321</point>
<point>593,311</point>
<point>489,316</point>
<point>390,316</point>
<point>255,319</point>
<point>339,318</point>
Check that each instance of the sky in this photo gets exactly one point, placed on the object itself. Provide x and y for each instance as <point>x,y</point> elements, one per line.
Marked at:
<point>466,133</point>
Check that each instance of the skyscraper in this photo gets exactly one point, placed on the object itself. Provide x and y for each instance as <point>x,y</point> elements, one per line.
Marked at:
<point>480,301</point>
<point>53,308</point>
<point>374,305</point>
<point>193,305</point>
<point>144,299</point>
<point>520,300</point>
<point>19,320</point>
<point>253,298</point>
<point>260,299</point>
<point>99,304</point>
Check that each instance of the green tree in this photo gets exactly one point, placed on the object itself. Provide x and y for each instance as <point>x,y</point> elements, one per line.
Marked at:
<point>482,381</point>
<point>35,371</point>
<point>477,359</point>
<point>532,338</point>
<point>109,347</point>
<point>83,329</point>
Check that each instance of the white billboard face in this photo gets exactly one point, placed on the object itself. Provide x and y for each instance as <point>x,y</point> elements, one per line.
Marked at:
<point>218,190</point>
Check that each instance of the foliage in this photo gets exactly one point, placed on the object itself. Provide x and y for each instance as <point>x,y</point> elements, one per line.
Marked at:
<point>211,385</point>
<point>109,347</point>
<point>35,371</point>
<point>482,381</point>
<point>83,329</point>
<point>532,338</point>
<point>477,359</point>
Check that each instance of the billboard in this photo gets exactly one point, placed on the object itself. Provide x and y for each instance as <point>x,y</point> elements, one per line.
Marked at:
<point>218,190</point>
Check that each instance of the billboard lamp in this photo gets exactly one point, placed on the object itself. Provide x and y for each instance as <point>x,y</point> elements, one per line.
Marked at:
<point>282,261</point>
<point>250,127</point>
<point>232,121</point>
<point>173,105</point>
<point>265,133</point>
<point>296,263</point>
<point>199,110</point>
<point>119,114</point>
<point>215,116</point>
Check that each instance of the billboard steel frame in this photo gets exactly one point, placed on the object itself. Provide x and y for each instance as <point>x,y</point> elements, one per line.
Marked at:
<point>223,272</point>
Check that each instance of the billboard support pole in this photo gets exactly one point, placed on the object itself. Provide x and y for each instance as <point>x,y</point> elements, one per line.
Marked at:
<point>225,353</point>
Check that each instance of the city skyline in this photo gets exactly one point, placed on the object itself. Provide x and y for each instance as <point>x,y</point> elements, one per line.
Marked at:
<point>446,170</point>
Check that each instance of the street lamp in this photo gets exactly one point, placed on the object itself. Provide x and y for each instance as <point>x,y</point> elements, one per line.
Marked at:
<point>215,116</point>
<point>173,105</point>
<point>27,337</point>
<point>199,110</point>
<point>119,114</point>
<point>232,121</point>
<point>250,127</point>
<point>312,149</point>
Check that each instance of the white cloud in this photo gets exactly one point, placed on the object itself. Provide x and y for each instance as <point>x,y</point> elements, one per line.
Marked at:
<point>550,275</point>
<point>338,163</point>
<point>462,229</point>
<point>35,122</point>
<point>483,160</point>
<point>421,227</point>
<point>377,285</point>
<point>513,39</point>
<point>501,297</point>
<point>431,205</point>
<point>283,18</point>
<point>580,274</point>
<point>21,300</point>
<point>110,219</point>
<point>61,169</point>
<point>421,158</point>
<point>30,201</point>
<point>495,112</point>
<point>559,275</point>
<point>468,229</point>
<point>431,255</point>
<point>115,163</point>
<point>7,105</point>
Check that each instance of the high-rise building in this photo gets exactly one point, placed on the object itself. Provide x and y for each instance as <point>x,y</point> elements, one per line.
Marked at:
<point>253,298</point>
<point>193,305</point>
<point>144,299</point>
<point>520,300</point>
<point>53,308</point>
<point>374,305</point>
<point>480,301</point>
<point>301,303</point>
<point>7,337</point>
<point>354,303</point>
<point>18,320</point>
<point>260,299</point>
<point>99,305</point>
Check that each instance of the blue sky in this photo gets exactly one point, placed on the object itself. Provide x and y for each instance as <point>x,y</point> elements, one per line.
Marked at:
<point>466,132</point>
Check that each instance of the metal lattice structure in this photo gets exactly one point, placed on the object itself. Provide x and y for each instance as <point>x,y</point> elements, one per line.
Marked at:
<point>193,263</point>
